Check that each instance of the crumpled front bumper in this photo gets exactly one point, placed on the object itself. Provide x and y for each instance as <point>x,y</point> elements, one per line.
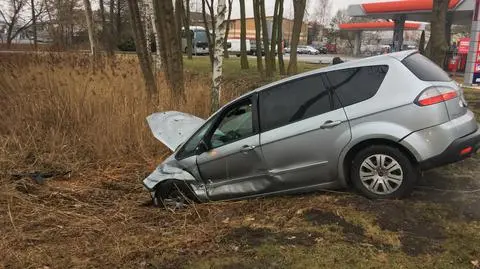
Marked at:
<point>165,172</point>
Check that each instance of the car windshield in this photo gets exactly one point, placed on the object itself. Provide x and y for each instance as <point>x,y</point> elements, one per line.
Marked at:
<point>188,149</point>
<point>201,36</point>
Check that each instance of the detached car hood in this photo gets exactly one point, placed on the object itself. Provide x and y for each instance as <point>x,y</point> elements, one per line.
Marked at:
<point>172,128</point>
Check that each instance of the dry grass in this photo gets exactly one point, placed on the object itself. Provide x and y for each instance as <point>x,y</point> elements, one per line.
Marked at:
<point>56,115</point>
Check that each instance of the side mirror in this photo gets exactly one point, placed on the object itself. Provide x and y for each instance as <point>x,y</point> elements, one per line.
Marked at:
<point>202,147</point>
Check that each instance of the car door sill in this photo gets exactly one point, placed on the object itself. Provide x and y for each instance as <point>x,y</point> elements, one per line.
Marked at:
<point>317,187</point>
<point>299,167</point>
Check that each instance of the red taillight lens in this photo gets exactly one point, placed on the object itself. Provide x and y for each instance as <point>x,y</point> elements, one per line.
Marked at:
<point>433,96</point>
<point>466,150</point>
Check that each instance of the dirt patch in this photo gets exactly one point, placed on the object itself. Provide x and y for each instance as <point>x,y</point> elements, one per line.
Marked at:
<point>252,237</point>
<point>352,232</point>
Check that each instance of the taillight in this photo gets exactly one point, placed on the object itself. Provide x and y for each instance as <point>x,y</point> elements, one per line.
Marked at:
<point>435,95</point>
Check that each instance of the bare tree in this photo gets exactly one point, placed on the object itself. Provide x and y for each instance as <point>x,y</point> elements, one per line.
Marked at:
<point>34,24</point>
<point>273,39</point>
<point>15,22</point>
<point>321,12</point>
<point>170,51</point>
<point>210,36</point>
<point>218,57</point>
<point>258,40</point>
<point>298,12</point>
<point>243,36</point>
<point>140,45</point>
<point>421,44</point>
<point>106,36</point>
<point>188,33</point>
<point>90,28</point>
<point>227,29</point>
<point>281,64</point>
<point>437,49</point>
<point>266,48</point>
<point>179,14</point>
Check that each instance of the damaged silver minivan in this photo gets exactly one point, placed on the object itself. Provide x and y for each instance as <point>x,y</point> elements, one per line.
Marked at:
<point>373,124</point>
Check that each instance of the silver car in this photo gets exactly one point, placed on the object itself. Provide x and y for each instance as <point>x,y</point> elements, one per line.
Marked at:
<point>373,124</point>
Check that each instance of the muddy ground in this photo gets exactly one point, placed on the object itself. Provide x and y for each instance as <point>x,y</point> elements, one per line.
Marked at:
<point>103,219</point>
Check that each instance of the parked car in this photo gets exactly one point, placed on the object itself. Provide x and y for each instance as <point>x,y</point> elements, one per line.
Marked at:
<point>253,48</point>
<point>373,123</point>
<point>235,48</point>
<point>323,50</point>
<point>286,50</point>
<point>307,50</point>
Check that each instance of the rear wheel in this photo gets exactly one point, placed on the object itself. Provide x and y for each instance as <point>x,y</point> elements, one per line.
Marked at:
<point>382,171</point>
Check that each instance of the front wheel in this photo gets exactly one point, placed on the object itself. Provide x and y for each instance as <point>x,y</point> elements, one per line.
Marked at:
<point>383,172</point>
<point>174,194</point>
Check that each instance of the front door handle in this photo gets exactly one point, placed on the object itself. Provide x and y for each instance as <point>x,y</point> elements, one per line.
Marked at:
<point>245,149</point>
<point>330,124</point>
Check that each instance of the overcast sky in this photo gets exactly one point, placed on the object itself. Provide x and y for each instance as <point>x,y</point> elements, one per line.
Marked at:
<point>288,7</point>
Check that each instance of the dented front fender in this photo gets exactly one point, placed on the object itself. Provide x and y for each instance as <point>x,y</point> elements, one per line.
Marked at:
<point>166,172</point>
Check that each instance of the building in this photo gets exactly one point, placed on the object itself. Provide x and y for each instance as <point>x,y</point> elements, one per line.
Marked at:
<point>287,25</point>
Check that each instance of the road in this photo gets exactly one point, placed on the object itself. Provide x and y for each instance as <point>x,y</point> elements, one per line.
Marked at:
<point>317,59</point>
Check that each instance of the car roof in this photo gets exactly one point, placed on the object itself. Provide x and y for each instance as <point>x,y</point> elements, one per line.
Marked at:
<point>395,56</point>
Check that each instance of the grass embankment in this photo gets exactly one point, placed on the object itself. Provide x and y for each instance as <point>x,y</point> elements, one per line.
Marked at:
<point>57,116</point>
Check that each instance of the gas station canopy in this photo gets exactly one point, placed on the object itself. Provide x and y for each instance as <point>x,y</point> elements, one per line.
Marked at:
<point>461,11</point>
<point>379,25</point>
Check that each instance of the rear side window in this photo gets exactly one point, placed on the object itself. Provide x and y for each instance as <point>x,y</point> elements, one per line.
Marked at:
<point>294,101</point>
<point>425,69</point>
<point>358,84</point>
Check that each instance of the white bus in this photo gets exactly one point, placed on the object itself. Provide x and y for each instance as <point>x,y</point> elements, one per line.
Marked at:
<point>199,42</point>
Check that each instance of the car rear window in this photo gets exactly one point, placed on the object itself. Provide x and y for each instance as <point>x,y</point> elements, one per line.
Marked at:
<point>354,85</point>
<point>425,69</point>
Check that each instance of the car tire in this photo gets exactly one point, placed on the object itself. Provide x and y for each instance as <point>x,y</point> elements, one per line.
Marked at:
<point>383,172</point>
<point>174,194</point>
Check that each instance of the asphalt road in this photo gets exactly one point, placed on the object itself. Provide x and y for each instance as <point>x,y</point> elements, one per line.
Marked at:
<point>318,59</point>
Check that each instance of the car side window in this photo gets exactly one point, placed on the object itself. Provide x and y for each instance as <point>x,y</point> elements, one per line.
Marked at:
<point>294,101</point>
<point>235,124</point>
<point>354,85</point>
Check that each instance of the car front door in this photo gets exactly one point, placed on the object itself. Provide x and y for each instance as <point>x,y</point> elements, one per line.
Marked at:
<point>233,165</point>
<point>303,131</point>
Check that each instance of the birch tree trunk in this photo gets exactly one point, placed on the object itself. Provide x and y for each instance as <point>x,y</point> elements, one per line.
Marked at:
<point>243,37</point>
<point>218,56</point>
<point>147,23</point>
<point>91,34</point>
<point>151,19</point>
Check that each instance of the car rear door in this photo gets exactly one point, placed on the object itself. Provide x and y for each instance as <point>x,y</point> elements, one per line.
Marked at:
<point>303,130</point>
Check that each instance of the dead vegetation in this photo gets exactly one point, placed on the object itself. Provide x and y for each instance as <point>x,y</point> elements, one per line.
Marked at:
<point>56,116</point>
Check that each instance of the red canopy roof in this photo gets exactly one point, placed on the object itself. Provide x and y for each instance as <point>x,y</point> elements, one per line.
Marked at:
<point>403,6</point>
<point>380,25</point>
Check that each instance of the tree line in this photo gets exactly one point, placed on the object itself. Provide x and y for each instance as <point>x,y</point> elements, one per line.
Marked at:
<point>160,23</point>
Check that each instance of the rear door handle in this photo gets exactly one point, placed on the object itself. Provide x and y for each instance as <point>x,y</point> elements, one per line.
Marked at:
<point>330,124</point>
<point>247,148</point>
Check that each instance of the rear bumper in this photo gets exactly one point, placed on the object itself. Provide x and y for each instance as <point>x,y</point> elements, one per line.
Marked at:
<point>453,153</point>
